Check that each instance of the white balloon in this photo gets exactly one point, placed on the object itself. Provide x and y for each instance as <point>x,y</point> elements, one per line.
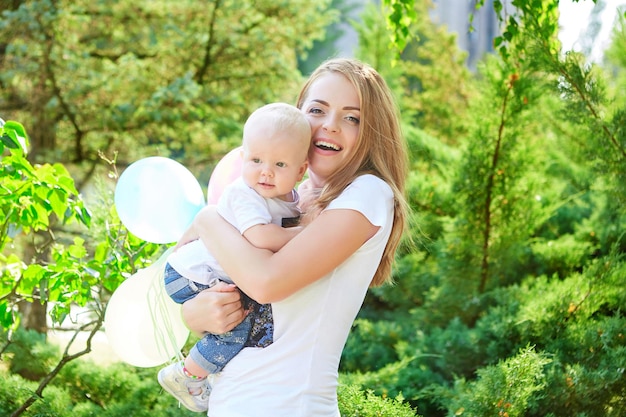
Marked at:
<point>157,198</point>
<point>142,323</point>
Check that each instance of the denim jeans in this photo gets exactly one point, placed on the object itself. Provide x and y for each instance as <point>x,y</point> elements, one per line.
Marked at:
<point>214,351</point>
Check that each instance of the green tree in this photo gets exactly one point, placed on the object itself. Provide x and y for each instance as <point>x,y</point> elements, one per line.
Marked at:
<point>32,199</point>
<point>149,77</point>
<point>431,80</point>
<point>521,205</point>
<point>123,80</point>
<point>526,243</point>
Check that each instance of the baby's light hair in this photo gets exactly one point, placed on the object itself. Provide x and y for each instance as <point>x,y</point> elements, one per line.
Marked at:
<point>282,117</point>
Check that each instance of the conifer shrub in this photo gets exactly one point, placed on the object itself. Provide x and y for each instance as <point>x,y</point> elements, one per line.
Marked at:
<point>86,389</point>
<point>354,402</point>
<point>371,345</point>
<point>508,388</point>
<point>102,386</point>
<point>587,378</point>
<point>15,391</point>
<point>28,354</point>
<point>562,256</point>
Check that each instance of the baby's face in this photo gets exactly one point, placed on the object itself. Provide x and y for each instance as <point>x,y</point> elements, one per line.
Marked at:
<point>273,162</point>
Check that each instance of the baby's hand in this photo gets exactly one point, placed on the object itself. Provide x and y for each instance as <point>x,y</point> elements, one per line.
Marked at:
<point>308,195</point>
<point>189,236</point>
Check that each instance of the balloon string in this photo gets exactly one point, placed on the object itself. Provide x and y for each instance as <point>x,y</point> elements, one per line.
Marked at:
<point>164,336</point>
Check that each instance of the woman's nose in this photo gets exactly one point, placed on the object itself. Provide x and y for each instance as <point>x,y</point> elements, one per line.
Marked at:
<point>330,124</point>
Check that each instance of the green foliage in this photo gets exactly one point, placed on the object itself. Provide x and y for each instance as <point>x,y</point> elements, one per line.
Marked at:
<point>86,389</point>
<point>517,185</point>
<point>495,185</point>
<point>116,390</point>
<point>370,346</point>
<point>14,391</point>
<point>13,136</point>
<point>592,383</point>
<point>505,389</point>
<point>562,256</point>
<point>436,80</point>
<point>32,199</point>
<point>31,195</point>
<point>321,49</point>
<point>146,77</point>
<point>403,379</point>
<point>431,81</point>
<point>558,221</point>
<point>373,46</point>
<point>399,15</point>
<point>29,355</point>
<point>614,60</point>
<point>429,193</point>
<point>355,403</point>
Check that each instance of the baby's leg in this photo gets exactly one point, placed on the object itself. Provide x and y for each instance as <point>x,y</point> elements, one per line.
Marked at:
<point>213,352</point>
<point>179,288</point>
<point>192,369</point>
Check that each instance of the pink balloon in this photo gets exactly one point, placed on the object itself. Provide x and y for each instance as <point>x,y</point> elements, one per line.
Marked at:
<point>227,170</point>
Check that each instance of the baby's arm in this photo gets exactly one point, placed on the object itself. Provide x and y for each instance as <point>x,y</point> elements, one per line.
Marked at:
<point>270,236</point>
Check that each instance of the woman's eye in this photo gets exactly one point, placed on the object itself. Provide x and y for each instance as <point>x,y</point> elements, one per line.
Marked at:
<point>353,119</point>
<point>315,110</point>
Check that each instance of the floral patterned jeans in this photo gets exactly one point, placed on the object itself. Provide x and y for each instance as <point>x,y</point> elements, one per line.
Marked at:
<point>214,351</point>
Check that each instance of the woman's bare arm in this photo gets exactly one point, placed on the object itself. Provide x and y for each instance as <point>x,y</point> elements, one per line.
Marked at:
<point>268,277</point>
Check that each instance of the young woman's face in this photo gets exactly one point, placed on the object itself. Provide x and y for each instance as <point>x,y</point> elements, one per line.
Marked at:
<point>332,107</point>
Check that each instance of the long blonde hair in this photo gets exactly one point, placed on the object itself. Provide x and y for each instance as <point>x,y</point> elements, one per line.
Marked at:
<point>380,148</point>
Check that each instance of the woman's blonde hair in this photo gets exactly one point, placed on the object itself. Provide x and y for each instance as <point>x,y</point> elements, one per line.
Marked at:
<point>380,148</point>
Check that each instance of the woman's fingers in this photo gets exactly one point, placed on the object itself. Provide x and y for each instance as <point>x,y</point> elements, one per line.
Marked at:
<point>215,310</point>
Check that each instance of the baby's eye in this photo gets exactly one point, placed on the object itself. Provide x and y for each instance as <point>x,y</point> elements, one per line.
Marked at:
<point>256,160</point>
<point>281,164</point>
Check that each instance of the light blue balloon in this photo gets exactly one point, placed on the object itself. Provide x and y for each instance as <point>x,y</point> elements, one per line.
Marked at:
<point>157,198</point>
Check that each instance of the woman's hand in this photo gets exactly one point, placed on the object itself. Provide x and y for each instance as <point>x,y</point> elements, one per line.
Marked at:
<point>215,310</point>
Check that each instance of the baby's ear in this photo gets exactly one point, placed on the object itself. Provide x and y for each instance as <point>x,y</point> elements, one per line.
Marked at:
<point>302,170</point>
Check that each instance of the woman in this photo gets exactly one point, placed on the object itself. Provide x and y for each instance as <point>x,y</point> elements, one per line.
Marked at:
<point>316,283</point>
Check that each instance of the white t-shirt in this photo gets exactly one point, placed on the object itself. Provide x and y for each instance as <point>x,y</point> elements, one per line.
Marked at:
<point>296,376</point>
<point>242,207</point>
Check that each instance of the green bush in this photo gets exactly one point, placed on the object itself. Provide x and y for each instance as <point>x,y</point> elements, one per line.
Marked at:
<point>89,390</point>
<point>85,389</point>
<point>353,402</point>
<point>370,345</point>
<point>505,389</point>
<point>29,355</point>
<point>102,386</point>
<point>587,378</point>
<point>15,391</point>
<point>562,256</point>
